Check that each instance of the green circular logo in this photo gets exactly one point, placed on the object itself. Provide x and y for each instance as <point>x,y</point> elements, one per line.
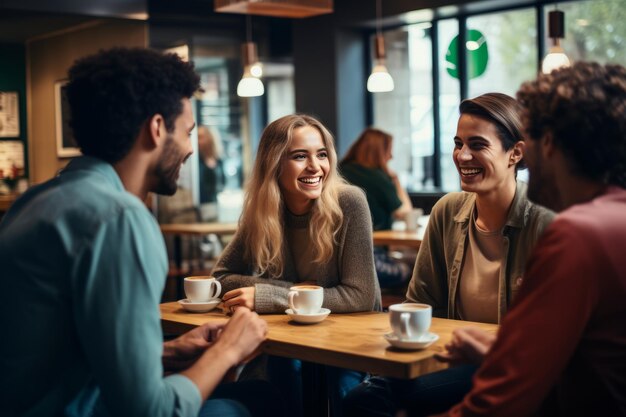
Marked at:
<point>476,51</point>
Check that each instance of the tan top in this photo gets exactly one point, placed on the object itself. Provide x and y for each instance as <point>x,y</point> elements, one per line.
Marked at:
<point>440,257</point>
<point>479,284</point>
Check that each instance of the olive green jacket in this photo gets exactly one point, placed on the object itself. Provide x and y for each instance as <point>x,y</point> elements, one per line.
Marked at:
<point>439,262</point>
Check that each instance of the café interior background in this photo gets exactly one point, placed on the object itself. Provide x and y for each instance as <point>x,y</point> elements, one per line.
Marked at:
<point>316,65</point>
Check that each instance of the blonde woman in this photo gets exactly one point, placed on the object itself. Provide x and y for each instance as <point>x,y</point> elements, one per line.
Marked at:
<point>301,223</point>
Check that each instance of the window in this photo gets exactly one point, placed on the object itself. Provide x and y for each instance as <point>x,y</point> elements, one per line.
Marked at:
<point>406,112</point>
<point>508,39</point>
<point>449,98</point>
<point>594,30</point>
<point>511,39</point>
<point>220,111</point>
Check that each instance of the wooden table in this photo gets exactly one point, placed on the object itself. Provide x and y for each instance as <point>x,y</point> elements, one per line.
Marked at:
<point>199,229</point>
<point>397,238</point>
<point>352,340</point>
<point>6,200</point>
<point>194,229</point>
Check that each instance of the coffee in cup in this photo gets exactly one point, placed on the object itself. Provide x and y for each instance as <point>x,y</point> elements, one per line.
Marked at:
<point>306,299</point>
<point>410,321</point>
<point>201,289</point>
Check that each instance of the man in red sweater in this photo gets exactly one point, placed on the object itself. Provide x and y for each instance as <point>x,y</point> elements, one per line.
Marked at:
<point>561,349</point>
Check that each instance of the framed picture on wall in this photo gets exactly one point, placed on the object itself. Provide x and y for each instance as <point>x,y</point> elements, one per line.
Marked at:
<point>66,144</point>
<point>9,115</point>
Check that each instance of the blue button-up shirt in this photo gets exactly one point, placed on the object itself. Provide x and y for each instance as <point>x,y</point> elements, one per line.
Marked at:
<point>82,269</point>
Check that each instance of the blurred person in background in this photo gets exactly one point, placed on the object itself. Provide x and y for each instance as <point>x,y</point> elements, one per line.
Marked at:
<point>211,171</point>
<point>366,166</point>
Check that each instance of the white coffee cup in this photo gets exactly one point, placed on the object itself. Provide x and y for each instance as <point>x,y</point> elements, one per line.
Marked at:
<point>411,219</point>
<point>306,299</point>
<point>202,288</point>
<point>410,321</point>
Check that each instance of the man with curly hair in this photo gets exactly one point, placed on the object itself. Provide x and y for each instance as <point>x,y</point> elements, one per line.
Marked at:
<point>561,349</point>
<point>85,262</point>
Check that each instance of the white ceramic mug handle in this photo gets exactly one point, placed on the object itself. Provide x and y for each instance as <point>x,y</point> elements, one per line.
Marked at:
<point>404,325</point>
<point>291,295</point>
<point>218,289</point>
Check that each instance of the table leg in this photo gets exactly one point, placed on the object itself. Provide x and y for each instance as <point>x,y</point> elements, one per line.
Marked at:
<point>314,390</point>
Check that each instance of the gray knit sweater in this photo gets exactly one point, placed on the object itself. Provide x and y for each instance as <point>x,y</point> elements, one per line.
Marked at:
<point>349,278</point>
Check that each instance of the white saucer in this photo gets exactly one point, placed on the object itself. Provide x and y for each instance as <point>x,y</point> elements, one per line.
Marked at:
<point>308,318</point>
<point>199,307</point>
<point>421,343</point>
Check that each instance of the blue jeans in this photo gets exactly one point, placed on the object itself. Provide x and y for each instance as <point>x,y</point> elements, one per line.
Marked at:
<point>242,399</point>
<point>391,273</point>
<point>429,394</point>
<point>223,408</point>
<point>286,375</point>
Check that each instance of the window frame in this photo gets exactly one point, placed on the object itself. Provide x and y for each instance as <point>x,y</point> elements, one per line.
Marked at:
<point>461,17</point>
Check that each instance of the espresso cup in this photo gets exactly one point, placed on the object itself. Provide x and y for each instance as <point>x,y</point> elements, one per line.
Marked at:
<point>410,321</point>
<point>306,299</point>
<point>202,289</point>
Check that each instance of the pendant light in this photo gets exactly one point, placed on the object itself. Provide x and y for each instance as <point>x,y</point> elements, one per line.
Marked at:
<point>250,85</point>
<point>380,80</point>
<point>297,9</point>
<point>556,57</point>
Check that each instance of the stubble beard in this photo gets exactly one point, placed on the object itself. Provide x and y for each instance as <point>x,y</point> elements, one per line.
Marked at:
<point>542,187</point>
<point>168,168</point>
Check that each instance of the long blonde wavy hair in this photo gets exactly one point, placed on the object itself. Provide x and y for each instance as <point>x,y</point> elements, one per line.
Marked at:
<point>262,218</point>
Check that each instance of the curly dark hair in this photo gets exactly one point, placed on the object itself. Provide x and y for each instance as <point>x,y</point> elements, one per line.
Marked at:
<point>112,93</point>
<point>584,108</point>
<point>503,112</point>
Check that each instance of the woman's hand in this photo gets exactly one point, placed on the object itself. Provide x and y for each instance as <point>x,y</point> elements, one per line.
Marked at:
<point>468,345</point>
<point>240,297</point>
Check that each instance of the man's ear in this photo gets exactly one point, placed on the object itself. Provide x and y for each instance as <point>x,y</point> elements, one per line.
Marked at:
<point>547,145</point>
<point>156,130</point>
<point>517,152</point>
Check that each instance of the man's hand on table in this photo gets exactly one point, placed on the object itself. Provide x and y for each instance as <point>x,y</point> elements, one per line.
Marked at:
<point>469,345</point>
<point>182,352</point>
<point>242,335</point>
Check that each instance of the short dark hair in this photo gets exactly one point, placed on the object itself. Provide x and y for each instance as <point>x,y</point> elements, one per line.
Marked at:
<point>114,92</point>
<point>584,108</point>
<point>503,112</point>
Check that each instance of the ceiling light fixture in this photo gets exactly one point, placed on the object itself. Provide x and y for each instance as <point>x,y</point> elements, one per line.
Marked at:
<point>250,85</point>
<point>556,57</point>
<point>380,80</point>
<point>278,8</point>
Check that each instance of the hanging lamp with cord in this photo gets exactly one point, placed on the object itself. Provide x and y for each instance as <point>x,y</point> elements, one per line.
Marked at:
<point>556,57</point>
<point>250,84</point>
<point>379,81</point>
